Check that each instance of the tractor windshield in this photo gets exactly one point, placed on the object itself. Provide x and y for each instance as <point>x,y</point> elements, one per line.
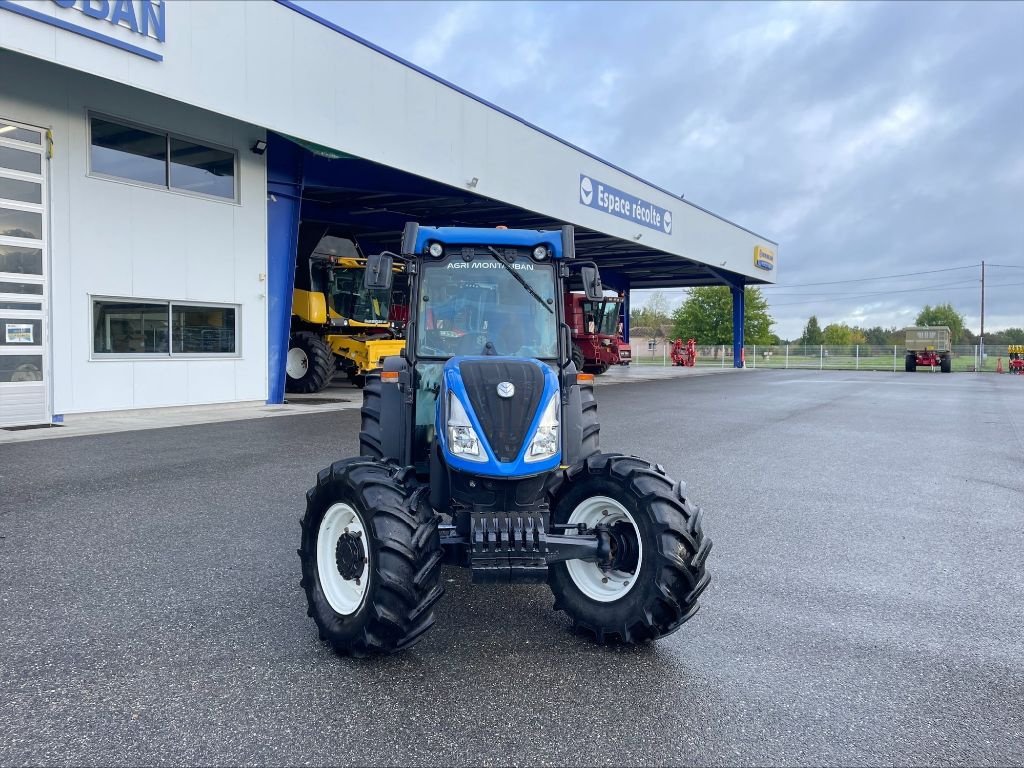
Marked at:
<point>354,302</point>
<point>476,306</point>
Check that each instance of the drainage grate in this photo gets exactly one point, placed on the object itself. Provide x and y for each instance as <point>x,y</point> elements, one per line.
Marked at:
<point>319,401</point>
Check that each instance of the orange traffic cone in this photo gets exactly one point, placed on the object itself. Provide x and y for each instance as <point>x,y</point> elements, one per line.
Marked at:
<point>999,365</point>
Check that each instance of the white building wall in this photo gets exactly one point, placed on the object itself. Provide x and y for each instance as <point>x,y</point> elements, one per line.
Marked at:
<point>111,238</point>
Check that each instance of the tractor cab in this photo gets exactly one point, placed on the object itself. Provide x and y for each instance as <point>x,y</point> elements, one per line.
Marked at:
<point>479,448</point>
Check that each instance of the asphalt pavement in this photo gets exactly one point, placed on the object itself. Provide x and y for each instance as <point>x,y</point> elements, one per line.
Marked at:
<point>866,603</point>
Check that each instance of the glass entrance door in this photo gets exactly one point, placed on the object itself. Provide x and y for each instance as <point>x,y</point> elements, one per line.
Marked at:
<point>24,331</point>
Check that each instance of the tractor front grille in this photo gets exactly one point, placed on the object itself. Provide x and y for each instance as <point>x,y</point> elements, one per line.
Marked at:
<point>505,421</point>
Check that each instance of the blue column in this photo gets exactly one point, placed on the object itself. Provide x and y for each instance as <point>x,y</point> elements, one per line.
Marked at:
<point>737,325</point>
<point>625,316</point>
<point>284,196</point>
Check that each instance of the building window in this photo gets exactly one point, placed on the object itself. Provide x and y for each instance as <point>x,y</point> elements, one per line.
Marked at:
<point>201,330</point>
<point>158,158</point>
<point>125,327</point>
<point>128,152</point>
<point>199,168</point>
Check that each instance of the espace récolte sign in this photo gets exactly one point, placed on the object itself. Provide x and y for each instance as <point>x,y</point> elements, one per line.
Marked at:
<point>135,26</point>
<point>597,194</point>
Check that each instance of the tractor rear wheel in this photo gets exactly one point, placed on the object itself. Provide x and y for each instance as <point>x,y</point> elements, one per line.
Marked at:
<point>946,364</point>
<point>658,572</point>
<point>370,443</point>
<point>371,557</point>
<point>577,357</point>
<point>591,422</point>
<point>309,364</point>
<point>911,363</point>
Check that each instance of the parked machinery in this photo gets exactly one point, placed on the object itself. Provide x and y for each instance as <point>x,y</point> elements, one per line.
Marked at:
<point>479,448</point>
<point>596,332</point>
<point>685,355</point>
<point>1015,364</point>
<point>336,323</point>
<point>929,346</point>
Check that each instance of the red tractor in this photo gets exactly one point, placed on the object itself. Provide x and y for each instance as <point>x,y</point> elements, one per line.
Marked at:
<point>597,341</point>
<point>684,354</point>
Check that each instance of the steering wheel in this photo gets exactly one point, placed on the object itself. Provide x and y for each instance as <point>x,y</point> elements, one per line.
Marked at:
<point>469,344</point>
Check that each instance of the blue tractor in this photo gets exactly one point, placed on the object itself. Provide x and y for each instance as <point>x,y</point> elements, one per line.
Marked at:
<point>479,448</point>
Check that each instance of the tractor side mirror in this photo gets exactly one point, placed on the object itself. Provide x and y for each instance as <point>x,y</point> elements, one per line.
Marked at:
<point>377,275</point>
<point>592,282</point>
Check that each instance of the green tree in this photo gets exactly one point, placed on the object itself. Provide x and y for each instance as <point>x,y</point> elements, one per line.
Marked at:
<point>882,337</point>
<point>812,333</point>
<point>1005,336</point>
<point>840,334</point>
<point>943,314</point>
<point>652,319</point>
<point>706,316</point>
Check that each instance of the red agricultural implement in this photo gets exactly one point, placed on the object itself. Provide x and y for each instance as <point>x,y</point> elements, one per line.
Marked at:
<point>684,354</point>
<point>1015,363</point>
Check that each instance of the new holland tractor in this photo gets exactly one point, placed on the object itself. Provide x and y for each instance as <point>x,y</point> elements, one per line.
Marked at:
<point>480,448</point>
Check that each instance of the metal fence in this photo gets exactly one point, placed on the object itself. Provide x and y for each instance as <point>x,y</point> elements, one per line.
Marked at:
<point>861,357</point>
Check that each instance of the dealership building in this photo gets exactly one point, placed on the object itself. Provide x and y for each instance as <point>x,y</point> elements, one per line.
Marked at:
<point>158,156</point>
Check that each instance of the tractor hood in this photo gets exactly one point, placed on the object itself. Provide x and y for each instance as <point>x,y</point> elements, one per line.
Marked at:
<point>498,416</point>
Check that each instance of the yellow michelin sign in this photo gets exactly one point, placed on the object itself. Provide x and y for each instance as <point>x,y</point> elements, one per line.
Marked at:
<point>764,258</point>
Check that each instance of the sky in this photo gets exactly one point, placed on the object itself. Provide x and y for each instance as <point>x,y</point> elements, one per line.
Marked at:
<point>867,139</point>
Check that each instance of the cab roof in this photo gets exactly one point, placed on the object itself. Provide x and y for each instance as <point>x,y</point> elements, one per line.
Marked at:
<point>529,238</point>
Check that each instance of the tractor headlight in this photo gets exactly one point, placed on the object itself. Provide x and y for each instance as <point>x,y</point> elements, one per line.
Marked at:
<point>545,442</point>
<point>436,250</point>
<point>540,252</point>
<point>462,438</point>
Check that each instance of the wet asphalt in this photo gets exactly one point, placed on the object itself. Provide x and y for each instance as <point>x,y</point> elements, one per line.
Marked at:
<point>866,607</point>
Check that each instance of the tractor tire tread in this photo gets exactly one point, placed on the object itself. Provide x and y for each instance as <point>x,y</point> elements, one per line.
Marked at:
<point>370,442</point>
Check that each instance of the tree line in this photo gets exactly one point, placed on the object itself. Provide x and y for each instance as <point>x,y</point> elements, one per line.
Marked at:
<point>706,315</point>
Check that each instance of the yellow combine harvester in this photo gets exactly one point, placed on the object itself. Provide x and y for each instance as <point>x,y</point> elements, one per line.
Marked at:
<point>336,323</point>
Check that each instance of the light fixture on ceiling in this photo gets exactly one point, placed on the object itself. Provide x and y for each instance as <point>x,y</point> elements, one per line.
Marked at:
<point>473,182</point>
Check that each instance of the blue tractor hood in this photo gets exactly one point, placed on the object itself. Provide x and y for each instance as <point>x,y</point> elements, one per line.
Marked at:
<point>505,400</point>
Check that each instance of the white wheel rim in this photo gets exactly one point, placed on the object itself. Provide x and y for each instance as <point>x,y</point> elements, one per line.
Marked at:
<point>297,363</point>
<point>604,586</point>
<point>344,595</point>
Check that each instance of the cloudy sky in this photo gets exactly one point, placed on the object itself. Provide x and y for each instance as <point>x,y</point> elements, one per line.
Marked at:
<point>868,139</point>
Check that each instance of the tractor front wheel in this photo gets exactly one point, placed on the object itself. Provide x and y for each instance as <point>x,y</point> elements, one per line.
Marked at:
<point>371,557</point>
<point>657,572</point>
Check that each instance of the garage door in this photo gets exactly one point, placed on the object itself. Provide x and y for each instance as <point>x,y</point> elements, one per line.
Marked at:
<point>24,353</point>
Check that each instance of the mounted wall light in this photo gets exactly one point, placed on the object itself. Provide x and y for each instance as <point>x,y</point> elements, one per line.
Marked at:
<point>259,147</point>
